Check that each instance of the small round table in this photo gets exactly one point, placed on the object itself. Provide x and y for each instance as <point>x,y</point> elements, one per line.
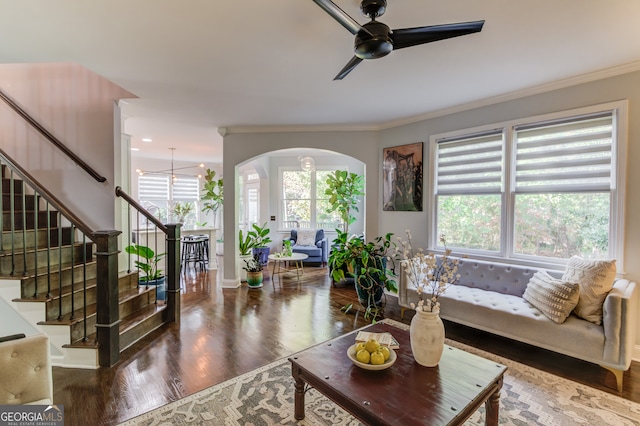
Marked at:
<point>278,262</point>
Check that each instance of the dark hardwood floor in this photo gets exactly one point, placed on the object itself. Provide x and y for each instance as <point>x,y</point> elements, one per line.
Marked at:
<point>226,332</point>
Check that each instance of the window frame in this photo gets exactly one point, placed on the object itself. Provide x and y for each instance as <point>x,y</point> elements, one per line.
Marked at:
<point>170,194</point>
<point>506,254</point>
<point>313,207</point>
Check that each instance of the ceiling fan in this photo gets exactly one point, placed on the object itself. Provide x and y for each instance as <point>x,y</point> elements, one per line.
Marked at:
<point>375,39</point>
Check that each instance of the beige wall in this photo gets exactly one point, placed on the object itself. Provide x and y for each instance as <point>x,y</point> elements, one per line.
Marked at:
<point>606,90</point>
<point>77,107</point>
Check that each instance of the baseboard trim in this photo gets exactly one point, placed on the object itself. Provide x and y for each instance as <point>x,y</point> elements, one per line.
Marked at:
<point>233,283</point>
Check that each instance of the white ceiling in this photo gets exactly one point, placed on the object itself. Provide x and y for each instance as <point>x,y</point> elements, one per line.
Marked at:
<point>202,64</point>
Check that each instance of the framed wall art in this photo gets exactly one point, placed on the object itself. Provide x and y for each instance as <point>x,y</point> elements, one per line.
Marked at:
<point>402,174</point>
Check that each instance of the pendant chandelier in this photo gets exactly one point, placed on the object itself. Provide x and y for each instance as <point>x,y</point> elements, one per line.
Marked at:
<point>172,171</point>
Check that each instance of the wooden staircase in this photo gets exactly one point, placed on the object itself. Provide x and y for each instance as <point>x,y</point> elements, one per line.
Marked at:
<point>49,270</point>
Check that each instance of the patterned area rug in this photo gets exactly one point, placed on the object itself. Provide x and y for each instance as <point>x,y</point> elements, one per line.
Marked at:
<point>265,397</point>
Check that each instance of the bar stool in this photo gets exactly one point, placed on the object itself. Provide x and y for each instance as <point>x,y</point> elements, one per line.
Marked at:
<point>195,251</point>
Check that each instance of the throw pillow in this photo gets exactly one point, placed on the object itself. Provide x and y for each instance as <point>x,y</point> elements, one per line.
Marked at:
<point>596,280</point>
<point>555,298</point>
<point>306,237</point>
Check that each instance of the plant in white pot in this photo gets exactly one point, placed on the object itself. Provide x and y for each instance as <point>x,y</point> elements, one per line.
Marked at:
<point>430,275</point>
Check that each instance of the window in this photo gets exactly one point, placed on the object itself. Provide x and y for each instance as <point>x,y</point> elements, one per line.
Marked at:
<point>304,203</point>
<point>159,195</point>
<point>539,190</point>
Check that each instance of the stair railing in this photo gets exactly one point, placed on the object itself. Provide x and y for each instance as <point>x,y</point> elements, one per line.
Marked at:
<point>170,233</point>
<point>44,132</point>
<point>59,225</point>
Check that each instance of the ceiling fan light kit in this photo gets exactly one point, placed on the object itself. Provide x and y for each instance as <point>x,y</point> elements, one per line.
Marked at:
<point>374,39</point>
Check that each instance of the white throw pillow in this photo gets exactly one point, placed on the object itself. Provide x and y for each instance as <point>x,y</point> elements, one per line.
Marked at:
<point>555,298</point>
<point>306,237</point>
<point>596,279</point>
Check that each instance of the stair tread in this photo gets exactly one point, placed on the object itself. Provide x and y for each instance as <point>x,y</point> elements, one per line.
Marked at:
<point>126,324</point>
<point>43,271</point>
<point>66,289</point>
<point>78,314</point>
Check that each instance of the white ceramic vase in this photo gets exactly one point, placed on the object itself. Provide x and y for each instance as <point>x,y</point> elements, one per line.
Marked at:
<point>427,337</point>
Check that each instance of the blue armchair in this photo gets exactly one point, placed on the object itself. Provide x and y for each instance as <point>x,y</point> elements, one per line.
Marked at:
<point>317,250</point>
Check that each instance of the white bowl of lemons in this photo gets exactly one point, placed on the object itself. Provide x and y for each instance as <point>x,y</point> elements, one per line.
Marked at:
<point>371,355</point>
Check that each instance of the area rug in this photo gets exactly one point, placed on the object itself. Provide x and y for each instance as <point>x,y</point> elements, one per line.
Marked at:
<point>265,397</point>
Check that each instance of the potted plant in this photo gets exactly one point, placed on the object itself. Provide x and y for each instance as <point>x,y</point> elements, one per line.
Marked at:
<point>213,195</point>
<point>147,262</point>
<point>345,191</point>
<point>260,238</point>
<point>254,266</point>
<point>181,211</point>
<point>287,251</point>
<point>245,244</point>
<point>366,262</point>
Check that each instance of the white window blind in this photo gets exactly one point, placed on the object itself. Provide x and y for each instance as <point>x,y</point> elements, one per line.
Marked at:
<point>186,189</point>
<point>470,165</point>
<point>569,156</point>
<point>153,187</point>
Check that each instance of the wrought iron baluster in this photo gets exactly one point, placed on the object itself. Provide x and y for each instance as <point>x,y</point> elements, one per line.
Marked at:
<point>59,219</point>
<point>36,212</point>
<point>12,216</point>
<point>48,211</point>
<point>24,228</point>
<point>129,236</point>
<point>84,285</point>
<point>73,270</point>
<point>1,214</point>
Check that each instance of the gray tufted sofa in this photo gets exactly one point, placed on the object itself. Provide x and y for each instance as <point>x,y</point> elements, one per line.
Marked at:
<point>488,296</point>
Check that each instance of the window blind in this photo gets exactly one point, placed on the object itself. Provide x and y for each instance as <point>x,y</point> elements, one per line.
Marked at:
<point>472,165</point>
<point>568,156</point>
<point>186,189</point>
<point>153,187</point>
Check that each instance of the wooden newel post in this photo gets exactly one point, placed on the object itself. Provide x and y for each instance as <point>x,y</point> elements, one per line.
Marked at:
<point>173,272</point>
<point>108,314</point>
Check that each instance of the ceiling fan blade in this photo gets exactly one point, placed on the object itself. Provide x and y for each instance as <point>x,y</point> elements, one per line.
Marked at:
<point>339,15</point>
<point>407,37</point>
<point>348,68</point>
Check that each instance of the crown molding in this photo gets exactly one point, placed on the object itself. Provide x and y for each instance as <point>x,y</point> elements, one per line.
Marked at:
<point>530,91</point>
<point>304,128</point>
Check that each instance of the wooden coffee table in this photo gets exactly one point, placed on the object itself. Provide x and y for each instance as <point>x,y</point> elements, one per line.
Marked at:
<point>404,394</point>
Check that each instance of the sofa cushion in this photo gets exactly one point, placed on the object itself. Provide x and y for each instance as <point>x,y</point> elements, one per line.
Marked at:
<point>553,297</point>
<point>306,237</point>
<point>596,280</point>
<point>513,317</point>
<point>311,251</point>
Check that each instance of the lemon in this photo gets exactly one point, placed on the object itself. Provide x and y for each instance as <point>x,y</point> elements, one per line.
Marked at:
<point>385,351</point>
<point>377,358</point>
<point>363,356</point>
<point>372,345</point>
